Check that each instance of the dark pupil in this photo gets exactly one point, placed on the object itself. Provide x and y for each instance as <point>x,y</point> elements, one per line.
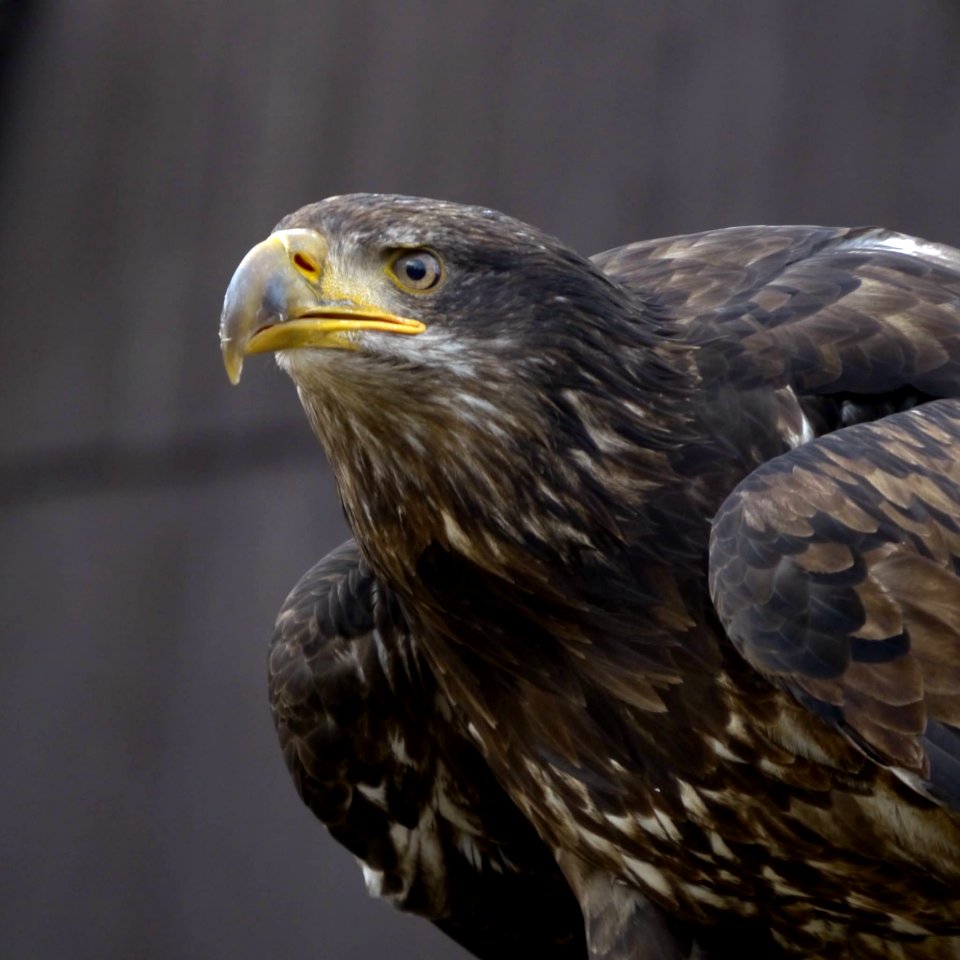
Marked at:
<point>415,269</point>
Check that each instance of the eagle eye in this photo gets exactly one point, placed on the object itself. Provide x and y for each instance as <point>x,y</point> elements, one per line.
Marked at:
<point>416,270</point>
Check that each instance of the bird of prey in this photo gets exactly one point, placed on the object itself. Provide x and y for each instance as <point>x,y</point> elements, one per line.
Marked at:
<point>647,642</point>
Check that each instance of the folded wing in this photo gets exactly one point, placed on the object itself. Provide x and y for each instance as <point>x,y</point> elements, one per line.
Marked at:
<point>374,752</point>
<point>835,569</point>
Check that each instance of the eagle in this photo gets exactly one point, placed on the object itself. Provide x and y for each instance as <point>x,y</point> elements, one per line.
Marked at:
<point>647,641</point>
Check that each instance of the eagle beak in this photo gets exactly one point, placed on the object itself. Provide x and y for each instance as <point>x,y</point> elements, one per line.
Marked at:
<point>275,301</point>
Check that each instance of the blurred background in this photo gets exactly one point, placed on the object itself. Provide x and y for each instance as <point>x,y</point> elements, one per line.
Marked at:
<point>153,518</point>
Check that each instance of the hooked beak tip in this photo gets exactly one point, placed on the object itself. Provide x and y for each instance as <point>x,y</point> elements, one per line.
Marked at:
<point>232,360</point>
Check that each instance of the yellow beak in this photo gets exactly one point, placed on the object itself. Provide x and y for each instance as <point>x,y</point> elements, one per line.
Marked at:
<point>274,302</point>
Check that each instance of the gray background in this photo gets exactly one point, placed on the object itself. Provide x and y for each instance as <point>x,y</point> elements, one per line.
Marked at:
<point>153,518</point>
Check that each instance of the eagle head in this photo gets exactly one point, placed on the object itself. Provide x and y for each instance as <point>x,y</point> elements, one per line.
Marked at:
<point>419,286</point>
<point>451,359</point>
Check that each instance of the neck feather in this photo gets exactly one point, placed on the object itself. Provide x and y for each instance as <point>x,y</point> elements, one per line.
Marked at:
<point>498,468</point>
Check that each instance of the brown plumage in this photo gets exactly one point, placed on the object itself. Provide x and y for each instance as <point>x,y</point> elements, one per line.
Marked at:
<point>653,605</point>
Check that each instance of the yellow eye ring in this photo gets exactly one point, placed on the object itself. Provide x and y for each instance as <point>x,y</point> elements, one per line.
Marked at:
<point>416,271</point>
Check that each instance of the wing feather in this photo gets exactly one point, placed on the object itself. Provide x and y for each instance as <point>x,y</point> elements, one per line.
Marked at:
<point>374,753</point>
<point>826,311</point>
<point>835,569</point>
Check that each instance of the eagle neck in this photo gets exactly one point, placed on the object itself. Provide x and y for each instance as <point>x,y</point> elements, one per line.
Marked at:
<point>556,463</point>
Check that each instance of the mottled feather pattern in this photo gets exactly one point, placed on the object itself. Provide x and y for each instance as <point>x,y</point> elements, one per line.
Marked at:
<point>384,770</point>
<point>835,569</point>
<point>533,485</point>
